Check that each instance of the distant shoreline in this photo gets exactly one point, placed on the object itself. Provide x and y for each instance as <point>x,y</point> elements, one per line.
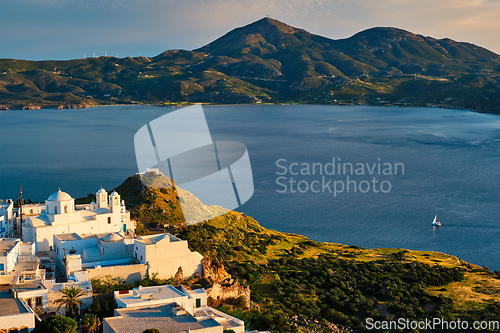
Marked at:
<point>184,104</point>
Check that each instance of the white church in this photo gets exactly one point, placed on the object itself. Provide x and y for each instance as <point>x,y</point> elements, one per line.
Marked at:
<point>60,216</point>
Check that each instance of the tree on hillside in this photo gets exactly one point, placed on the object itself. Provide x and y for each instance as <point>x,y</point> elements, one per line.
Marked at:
<point>57,324</point>
<point>71,300</point>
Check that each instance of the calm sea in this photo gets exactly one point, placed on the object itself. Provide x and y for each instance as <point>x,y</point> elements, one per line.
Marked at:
<point>451,162</point>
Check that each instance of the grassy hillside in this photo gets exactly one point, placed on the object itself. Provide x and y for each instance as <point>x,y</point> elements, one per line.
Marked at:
<point>299,285</point>
<point>270,61</point>
<point>160,203</point>
<point>293,279</point>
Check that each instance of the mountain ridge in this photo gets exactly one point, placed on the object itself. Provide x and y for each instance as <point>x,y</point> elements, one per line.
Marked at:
<point>270,61</point>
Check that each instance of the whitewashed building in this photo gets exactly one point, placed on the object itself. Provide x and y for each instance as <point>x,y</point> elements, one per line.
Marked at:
<point>165,253</point>
<point>112,253</point>
<point>168,309</point>
<point>6,218</point>
<point>34,294</point>
<point>190,300</point>
<point>15,314</point>
<point>18,263</point>
<point>91,251</point>
<point>42,297</point>
<point>9,253</point>
<point>60,216</point>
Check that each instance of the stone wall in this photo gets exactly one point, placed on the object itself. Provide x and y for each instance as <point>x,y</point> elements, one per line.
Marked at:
<point>130,273</point>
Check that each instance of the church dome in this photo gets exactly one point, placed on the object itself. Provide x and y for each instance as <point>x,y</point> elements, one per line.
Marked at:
<point>101,190</point>
<point>59,196</point>
<point>112,237</point>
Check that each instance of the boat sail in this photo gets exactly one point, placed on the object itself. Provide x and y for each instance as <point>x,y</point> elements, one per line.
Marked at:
<point>436,222</point>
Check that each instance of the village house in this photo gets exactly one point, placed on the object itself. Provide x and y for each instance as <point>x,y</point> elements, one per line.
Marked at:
<point>6,218</point>
<point>124,256</point>
<point>18,263</point>
<point>15,314</point>
<point>168,309</point>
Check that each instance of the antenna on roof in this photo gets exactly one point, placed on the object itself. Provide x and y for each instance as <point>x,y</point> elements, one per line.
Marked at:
<point>85,56</point>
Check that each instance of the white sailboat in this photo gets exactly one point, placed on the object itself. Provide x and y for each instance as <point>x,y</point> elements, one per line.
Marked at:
<point>436,222</point>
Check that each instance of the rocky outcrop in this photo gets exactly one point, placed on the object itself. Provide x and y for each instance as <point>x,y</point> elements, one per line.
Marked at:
<point>179,276</point>
<point>215,272</point>
<point>224,287</point>
<point>231,291</point>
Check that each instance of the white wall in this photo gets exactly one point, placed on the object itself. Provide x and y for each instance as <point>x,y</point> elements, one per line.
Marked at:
<point>10,260</point>
<point>18,321</point>
<point>21,320</point>
<point>79,245</point>
<point>130,273</point>
<point>33,295</point>
<point>165,257</point>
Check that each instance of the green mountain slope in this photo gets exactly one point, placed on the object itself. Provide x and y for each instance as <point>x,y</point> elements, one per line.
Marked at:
<point>299,285</point>
<point>270,61</point>
<point>160,203</point>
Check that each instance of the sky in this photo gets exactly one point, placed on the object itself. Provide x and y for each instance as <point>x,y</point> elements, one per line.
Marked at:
<point>68,29</point>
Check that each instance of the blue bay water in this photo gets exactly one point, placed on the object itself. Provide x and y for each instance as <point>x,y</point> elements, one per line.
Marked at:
<point>451,160</point>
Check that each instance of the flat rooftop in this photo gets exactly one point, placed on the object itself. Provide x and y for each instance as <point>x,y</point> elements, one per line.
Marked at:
<point>153,239</point>
<point>73,236</point>
<point>25,266</point>
<point>9,305</point>
<point>6,244</point>
<point>28,287</point>
<point>57,287</point>
<point>143,294</point>
<point>161,317</point>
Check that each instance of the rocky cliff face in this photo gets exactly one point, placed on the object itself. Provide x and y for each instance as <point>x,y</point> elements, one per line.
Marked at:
<point>224,288</point>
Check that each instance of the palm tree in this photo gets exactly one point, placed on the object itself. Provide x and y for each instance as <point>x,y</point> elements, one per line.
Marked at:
<point>90,323</point>
<point>71,300</point>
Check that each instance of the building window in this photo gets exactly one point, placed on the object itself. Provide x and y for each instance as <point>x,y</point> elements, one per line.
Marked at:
<point>198,302</point>
<point>31,211</point>
<point>38,301</point>
<point>28,301</point>
<point>109,220</point>
<point>141,258</point>
<point>65,209</point>
<point>116,201</point>
<point>55,209</point>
